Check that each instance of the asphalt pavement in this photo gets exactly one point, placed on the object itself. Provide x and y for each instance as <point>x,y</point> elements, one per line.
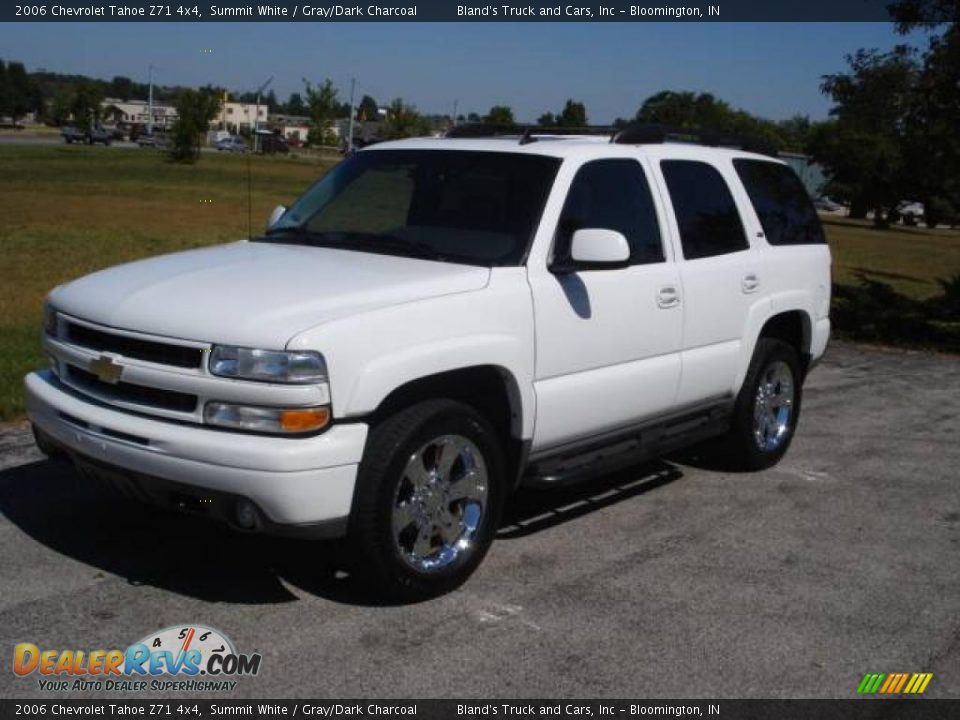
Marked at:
<point>674,579</point>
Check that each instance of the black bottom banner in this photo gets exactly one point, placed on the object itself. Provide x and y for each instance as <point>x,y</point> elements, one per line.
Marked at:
<point>511,709</point>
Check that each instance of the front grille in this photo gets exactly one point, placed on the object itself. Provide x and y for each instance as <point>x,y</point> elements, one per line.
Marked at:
<point>128,392</point>
<point>157,352</point>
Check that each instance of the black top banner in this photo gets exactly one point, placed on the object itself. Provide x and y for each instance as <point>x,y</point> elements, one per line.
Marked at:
<point>317,11</point>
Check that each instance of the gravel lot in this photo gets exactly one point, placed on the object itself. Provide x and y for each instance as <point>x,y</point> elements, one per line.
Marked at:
<point>671,580</point>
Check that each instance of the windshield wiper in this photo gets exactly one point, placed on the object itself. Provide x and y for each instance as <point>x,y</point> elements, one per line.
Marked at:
<point>410,247</point>
<point>358,240</point>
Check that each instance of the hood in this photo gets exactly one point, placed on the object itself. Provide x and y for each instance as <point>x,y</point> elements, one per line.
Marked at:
<point>255,294</point>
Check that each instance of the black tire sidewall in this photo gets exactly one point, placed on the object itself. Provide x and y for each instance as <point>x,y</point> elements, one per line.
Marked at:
<point>377,484</point>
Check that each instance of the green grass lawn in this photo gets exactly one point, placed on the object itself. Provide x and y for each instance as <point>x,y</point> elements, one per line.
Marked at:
<point>67,211</point>
<point>909,259</point>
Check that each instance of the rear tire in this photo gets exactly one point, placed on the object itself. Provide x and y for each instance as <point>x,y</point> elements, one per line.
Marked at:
<point>767,408</point>
<point>428,499</point>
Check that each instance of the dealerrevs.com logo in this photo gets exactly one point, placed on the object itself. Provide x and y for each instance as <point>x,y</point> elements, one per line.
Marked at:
<point>181,658</point>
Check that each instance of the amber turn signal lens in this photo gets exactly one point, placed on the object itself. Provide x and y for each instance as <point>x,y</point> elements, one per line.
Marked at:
<point>304,420</point>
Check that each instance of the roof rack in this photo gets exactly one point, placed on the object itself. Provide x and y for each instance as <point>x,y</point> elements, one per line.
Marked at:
<point>526,133</point>
<point>634,134</point>
<point>651,133</point>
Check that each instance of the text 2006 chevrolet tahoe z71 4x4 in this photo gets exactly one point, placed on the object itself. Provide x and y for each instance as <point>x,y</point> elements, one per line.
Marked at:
<point>435,322</point>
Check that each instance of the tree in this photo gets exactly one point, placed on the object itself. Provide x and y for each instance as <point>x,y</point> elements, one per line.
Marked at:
<point>20,91</point>
<point>500,115</point>
<point>865,148</point>
<point>403,121</point>
<point>85,103</point>
<point>574,114</point>
<point>368,109</point>
<point>195,110</point>
<point>121,88</point>
<point>704,112</point>
<point>271,101</point>
<point>4,90</point>
<point>295,105</point>
<point>60,108</point>
<point>322,106</point>
<point>932,145</point>
<point>547,120</point>
<point>795,133</point>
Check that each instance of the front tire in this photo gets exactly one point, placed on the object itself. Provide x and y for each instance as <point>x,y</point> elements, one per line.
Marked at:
<point>768,407</point>
<point>428,499</point>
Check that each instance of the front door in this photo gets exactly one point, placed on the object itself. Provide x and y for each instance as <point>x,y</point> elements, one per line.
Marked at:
<point>607,341</point>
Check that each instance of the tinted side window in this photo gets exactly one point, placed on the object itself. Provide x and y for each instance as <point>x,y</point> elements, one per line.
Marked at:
<point>782,204</point>
<point>706,214</point>
<point>614,195</point>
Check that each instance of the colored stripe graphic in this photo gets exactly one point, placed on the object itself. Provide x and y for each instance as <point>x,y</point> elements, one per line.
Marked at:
<point>894,683</point>
<point>903,680</point>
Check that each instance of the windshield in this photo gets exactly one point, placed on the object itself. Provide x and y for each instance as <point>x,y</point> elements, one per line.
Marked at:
<point>479,208</point>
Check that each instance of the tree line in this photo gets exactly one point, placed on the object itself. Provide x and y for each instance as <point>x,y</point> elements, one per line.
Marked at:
<point>891,134</point>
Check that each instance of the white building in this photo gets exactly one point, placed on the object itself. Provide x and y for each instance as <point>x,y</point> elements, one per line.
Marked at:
<point>293,128</point>
<point>236,116</point>
<point>137,112</point>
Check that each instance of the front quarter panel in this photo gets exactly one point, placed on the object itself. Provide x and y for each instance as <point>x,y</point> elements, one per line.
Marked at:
<point>371,354</point>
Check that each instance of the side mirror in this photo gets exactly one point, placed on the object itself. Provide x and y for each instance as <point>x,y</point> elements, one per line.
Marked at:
<point>595,249</point>
<point>277,213</point>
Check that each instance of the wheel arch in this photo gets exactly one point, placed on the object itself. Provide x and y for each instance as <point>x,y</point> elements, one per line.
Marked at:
<point>793,325</point>
<point>491,389</point>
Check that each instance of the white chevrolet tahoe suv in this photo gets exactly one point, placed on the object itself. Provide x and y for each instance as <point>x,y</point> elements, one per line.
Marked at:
<point>436,322</point>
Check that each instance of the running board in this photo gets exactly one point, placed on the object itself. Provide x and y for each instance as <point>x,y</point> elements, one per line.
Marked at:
<point>614,451</point>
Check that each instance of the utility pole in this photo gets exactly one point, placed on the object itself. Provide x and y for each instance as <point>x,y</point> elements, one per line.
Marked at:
<point>256,111</point>
<point>353,86</point>
<point>150,101</point>
<point>455,104</point>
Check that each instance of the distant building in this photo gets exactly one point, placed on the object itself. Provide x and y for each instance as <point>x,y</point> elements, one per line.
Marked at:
<point>237,117</point>
<point>292,127</point>
<point>137,112</point>
<point>811,174</point>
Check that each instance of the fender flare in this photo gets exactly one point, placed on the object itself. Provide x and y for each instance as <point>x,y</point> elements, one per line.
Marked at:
<point>382,376</point>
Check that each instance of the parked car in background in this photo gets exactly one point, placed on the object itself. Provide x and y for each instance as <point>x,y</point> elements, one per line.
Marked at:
<point>269,143</point>
<point>72,135</point>
<point>825,204</point>
<point>90,137</point>
<point>99,135</point>
<point>232,143</point>
<point>910,212</point>
<point>151,141</point>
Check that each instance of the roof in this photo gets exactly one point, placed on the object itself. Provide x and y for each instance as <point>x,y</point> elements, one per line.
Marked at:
<point>571,146</point>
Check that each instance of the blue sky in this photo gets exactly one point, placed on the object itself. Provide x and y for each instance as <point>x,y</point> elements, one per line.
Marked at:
<point>770,69</point>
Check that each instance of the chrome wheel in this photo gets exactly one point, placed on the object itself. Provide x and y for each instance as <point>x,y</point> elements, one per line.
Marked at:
<point>440,503</point>
<point>773,406</point>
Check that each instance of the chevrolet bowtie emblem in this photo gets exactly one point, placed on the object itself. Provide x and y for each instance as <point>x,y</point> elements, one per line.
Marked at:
<point>106,369</point>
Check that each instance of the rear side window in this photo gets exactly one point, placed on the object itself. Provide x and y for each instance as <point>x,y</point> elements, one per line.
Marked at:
<point>785,210</point>
<point>614,195</point>
<point>706,214</point>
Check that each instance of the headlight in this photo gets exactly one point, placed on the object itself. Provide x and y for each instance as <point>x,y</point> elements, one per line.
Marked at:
<point>279,366</point>
<point>266,419</point>
<point>50,320</point>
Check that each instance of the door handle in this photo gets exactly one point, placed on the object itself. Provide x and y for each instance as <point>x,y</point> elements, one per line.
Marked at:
<point>750,283</point>
<point>668,296</point>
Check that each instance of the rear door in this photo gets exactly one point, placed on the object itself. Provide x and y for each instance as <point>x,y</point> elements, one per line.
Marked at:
<point>721,277</point>
<point>607,341</point>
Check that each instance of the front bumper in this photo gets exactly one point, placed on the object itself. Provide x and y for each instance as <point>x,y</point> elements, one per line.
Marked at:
<point>301,486</point>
